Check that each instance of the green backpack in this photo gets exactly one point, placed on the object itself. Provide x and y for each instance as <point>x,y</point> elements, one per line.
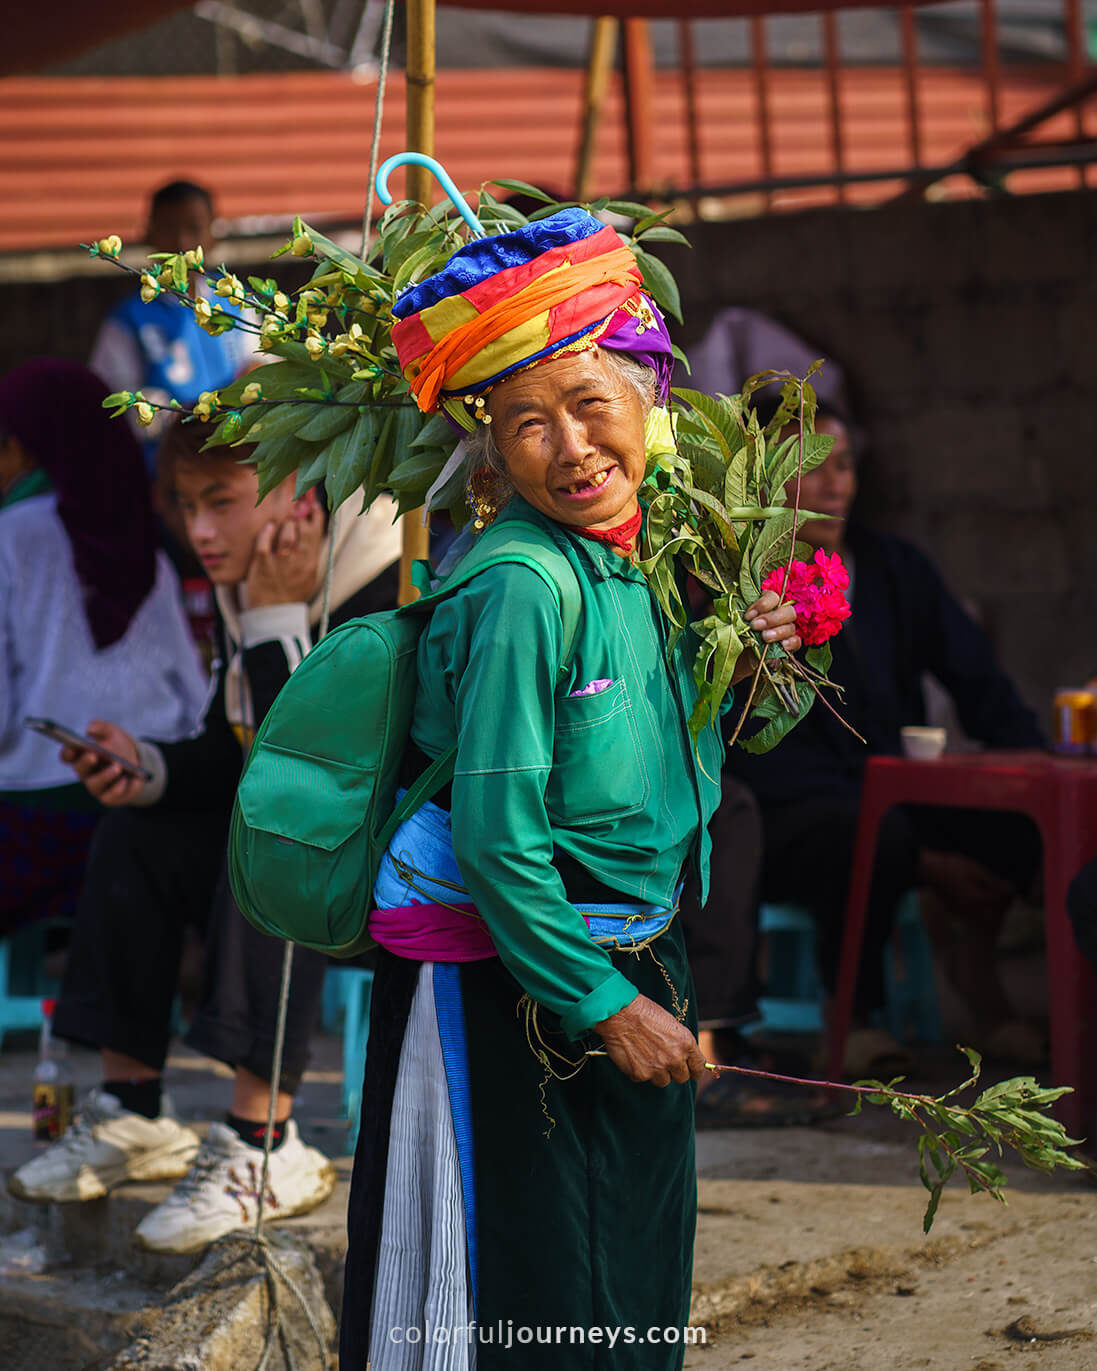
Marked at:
<point>314,810</point>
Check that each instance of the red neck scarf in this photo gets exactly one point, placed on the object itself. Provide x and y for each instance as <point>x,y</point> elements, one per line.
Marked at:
<point>622,537</point>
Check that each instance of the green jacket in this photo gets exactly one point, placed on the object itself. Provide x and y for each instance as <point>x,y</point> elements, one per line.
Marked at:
<point>610,779</point>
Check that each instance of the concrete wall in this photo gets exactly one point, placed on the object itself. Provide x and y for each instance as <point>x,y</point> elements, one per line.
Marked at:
<point>969,335</point>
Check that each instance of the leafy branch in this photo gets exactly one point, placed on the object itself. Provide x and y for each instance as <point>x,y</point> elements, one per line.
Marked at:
<point>720,506</point>
<point>331,404</point>
<point>960,1138</point>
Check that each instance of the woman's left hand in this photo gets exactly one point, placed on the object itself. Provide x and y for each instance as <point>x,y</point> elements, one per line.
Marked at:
<point>776,623</point>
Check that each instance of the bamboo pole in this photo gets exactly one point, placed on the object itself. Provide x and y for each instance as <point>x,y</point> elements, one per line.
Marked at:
<point>420,184</point>
<point>603,46</point>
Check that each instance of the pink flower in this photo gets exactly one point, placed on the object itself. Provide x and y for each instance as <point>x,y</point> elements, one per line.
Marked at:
<point>817,590</point>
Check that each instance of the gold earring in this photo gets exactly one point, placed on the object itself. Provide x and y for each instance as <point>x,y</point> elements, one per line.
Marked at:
<point>481,493</point>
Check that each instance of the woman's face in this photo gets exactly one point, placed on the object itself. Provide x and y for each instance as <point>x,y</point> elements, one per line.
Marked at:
<point>829,489</point>
<point>571,432</point>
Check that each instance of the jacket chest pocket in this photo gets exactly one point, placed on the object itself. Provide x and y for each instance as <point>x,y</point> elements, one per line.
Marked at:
<point>598,771</point>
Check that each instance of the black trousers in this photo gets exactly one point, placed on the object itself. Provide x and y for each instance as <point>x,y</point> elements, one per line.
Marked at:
<point>809,849</point>
<point>722,938</point>
<point>151,873</point>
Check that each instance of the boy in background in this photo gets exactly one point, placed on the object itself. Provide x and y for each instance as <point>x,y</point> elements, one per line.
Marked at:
<point>158,864</point>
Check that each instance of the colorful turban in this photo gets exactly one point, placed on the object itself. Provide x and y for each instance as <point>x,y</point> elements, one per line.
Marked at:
<point>500,304</point>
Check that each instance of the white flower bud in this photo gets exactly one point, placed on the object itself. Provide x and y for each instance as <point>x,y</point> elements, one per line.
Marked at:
<point>194,259</point>
<point>150,287</point>
<point>252,391</point>
<point>314,347</point>
<point>145,413</point>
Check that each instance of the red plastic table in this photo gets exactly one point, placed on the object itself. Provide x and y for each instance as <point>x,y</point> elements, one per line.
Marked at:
<point>1060,795</point>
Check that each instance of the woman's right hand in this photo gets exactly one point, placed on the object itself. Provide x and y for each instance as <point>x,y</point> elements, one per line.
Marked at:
<point>104,780</point>
<point>648,1044</point>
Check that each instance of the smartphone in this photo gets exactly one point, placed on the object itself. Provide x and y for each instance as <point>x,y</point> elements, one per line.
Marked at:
<point>60,734</point>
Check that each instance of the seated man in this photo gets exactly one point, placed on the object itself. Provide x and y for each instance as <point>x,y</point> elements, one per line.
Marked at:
<point>904,623</point>
<point>158,863</point>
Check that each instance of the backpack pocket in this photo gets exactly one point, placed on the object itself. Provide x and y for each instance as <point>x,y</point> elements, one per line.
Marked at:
<point>271,795</point>
<point>598,770</point>
<point>307,869</point>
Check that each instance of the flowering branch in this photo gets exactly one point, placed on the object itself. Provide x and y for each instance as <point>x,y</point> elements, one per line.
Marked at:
<point>332,405</point>
<point>955,1138</point>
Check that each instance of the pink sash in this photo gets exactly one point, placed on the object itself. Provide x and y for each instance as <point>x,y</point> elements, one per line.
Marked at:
<point>433,933</point>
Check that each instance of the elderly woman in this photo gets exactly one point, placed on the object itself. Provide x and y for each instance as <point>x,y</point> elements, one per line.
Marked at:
<point>524,1187</point>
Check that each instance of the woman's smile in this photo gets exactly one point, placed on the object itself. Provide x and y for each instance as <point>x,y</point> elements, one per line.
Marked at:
<point>585,487</point>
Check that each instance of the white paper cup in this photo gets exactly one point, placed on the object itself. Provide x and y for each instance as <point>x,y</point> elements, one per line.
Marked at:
<point>923,744</point>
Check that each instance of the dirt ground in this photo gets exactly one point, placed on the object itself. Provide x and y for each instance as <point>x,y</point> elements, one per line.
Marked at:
<point>810,1254</point>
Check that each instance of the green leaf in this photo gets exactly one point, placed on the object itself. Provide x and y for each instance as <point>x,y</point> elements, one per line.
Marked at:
<point>817,448</point>
<point>280,421</point>
<point>716,419</point>
<point>736,482</point>
<point>363,276</point>
<point>660,283</point>
<point>381,461</point>
<point>524,188</point>
<point>310,474</point>
<point>662,233</point>
<point>819,659</point>
<point>771,546</point>
<point>413,475</point>
<point>722,517</point>
<point>413,265</point>
<point>768,738</point>
<point>554,208</point>
<point>493,215</point>
<point>436,432</point>
<point>326,421</point>
<point>349,456</point>
<point>627,209</point>
<point>276,458</point>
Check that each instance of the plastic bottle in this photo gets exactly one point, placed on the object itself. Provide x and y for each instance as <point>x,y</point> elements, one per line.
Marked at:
<point>53,1086</point>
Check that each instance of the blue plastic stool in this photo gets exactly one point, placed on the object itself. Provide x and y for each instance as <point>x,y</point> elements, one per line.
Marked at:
<point>23,984</point>
<point>793,1002</point>
<point>347,991</point>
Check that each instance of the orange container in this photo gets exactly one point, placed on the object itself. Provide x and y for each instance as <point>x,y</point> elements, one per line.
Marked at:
<point>1074,720</point>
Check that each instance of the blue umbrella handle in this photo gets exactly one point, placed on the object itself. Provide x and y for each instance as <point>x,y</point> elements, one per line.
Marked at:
<point>440,174</point>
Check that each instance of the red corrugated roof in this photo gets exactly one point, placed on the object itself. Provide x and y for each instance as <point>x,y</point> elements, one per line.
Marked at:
<point>81,154</point>
<point>35,39</point>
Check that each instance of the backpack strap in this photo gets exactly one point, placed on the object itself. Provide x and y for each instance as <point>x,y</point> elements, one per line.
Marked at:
<point>512,543</point>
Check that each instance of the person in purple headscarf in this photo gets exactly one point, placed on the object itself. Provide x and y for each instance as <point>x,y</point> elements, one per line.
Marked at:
<point>90,620</point>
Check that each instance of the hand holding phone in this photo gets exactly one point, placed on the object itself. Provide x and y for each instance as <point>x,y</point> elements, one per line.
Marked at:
<point>106,759</point>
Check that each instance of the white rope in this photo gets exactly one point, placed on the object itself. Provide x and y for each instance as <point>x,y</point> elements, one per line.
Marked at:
<point>287,960</point>
<point>378,110</point>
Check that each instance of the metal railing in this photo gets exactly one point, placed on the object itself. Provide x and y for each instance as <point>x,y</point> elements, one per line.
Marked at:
<point>1034,117</point>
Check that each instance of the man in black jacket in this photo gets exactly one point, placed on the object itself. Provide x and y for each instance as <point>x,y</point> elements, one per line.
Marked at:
<point>158,864</point>
<point>905,623</point>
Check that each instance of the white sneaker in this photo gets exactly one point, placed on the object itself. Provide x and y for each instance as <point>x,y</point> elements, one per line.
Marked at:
<point>221,1190</point>
<point>105,1146</point>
